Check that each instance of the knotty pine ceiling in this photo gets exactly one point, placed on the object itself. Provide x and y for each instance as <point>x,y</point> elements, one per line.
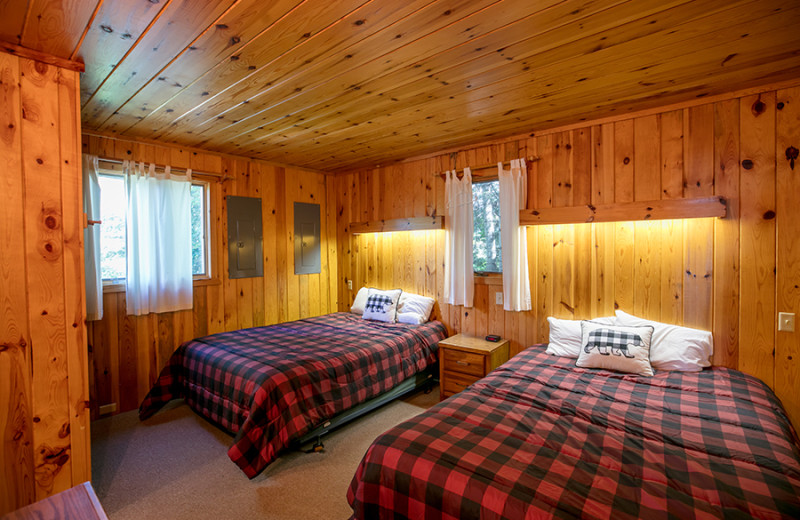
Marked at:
<point>346,84</point>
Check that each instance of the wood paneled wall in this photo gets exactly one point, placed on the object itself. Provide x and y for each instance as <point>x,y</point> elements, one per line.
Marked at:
<point>728,275</point>
<point>44,419</point>
<point>128,352</point>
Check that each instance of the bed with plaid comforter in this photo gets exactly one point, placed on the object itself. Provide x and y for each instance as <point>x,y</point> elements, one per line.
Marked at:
<point>542,438</point>
<point>271,385</point>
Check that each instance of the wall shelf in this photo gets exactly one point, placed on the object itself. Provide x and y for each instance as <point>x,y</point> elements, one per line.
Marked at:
<point>626,211</point>
<point>397,224</point>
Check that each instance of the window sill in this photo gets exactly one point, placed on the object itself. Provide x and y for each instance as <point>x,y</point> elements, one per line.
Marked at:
<point>203,282</point>
<point>489,279</point>
<point>200,282</point>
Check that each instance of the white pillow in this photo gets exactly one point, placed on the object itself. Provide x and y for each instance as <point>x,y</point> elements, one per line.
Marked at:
<point>674,347</point>
<point>414,308</point>
<point>613,347</point>
<point>360,301</point>
<point>565,335</point>
<point>381,305</point>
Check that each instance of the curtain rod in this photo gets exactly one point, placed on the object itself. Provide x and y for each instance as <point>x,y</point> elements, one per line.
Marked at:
<point>528,160</point>
<point>221,177</point>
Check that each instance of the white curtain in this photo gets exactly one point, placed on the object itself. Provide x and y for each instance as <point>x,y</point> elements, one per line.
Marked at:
<point>458,269</point>
<point>159,230</point>
<point>513,238</point>
<point>91,240</point>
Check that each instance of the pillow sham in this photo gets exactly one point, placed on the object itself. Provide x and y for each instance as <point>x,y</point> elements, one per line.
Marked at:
<point>361,301</point>
<point>614,347</point>
<point>413,308</point>
<point>674,347</point>
<point>381,305</point>
<point>566,336</point>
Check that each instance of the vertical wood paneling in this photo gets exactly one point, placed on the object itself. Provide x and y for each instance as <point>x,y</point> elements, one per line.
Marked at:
<point>787,348</point>
<point>757,235</point>
<point>726,233</point>
<point>16,415</point>
<point>699,235</point>
<point>44,246</point>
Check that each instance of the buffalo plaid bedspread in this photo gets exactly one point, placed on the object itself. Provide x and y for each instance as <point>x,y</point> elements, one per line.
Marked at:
<point>271,385</point>
<point>541,438</point>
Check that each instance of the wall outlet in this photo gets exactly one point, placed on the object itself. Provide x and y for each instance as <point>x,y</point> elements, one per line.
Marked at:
<point>350,284</point>
<point>786,321</point>
<point>498,298</point>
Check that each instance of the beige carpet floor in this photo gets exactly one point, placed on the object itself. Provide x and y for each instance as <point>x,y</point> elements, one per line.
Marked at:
<point>175,466</point>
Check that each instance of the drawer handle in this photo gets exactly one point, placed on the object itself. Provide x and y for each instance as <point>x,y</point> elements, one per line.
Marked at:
<point>462,363</point>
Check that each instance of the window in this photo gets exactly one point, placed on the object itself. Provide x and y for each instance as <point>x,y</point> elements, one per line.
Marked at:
<point>113,202</point>
<point>486,251</point>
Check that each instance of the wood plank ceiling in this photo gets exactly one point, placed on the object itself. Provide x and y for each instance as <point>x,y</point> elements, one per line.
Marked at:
<point>346,84</point>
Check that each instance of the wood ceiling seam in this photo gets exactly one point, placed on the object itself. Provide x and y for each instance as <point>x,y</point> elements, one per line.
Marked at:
<point>496,95</point>
<point>174,58</point>
<point>26,20</point>
<point>170,131</point>
<point>192,108</point>
<point>129,51</point>
<point>398,87</point>
<point>209,71</point>
<point>422,90</point>
<point>285,80</point>
<point>785,84</point>
<point>373,143</point>
<point>555,63</point>
<point>86,30</point>
<point>164,36</point>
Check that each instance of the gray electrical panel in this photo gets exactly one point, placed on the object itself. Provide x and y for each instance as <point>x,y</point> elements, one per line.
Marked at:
<point>245,238</point>
<point>306,238</point>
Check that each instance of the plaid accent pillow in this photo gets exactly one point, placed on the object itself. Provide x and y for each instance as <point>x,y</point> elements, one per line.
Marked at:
<point>624,349</point>
<point>381,305</point>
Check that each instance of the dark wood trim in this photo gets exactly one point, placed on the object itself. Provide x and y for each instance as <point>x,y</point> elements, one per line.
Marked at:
<point>24,52</point>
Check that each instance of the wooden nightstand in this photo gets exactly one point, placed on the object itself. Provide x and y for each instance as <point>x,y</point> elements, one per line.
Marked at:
<point>464,359</point>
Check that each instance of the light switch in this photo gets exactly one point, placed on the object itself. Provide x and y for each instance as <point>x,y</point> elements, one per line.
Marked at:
<point>498,298</point>
<point>350,284</point>
<point>786,321</point>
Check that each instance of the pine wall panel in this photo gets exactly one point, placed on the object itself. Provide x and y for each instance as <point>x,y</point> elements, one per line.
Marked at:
<point>44,414</point>
<point>728,275</point>
<point>128,352</point>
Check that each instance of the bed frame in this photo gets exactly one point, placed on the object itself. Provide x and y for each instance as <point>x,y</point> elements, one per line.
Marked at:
<point>421,380</point>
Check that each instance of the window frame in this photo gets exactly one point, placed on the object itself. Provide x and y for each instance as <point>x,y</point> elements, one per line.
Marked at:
<point>486,274</point>
<point>118,284</point>
<point>209,271</point>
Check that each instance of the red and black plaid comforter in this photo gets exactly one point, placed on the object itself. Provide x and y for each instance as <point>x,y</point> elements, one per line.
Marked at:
<point>271,385</point>
<point>540,437</point>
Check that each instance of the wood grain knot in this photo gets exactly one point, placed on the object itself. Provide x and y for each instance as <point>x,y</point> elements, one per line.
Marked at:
<point>769,215</point>
<point>758,107</point>
<point>780,106</point>
<point>63,432</point>
<point>791,155</point>
<point>626,160</point>
<point>747,164</point>
<point>51,222</point>
<point>39,160</point>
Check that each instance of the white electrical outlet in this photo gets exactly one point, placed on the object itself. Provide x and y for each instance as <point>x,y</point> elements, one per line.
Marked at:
<point>350,284</point>
<point>786,321</point>
<point>498,298</point>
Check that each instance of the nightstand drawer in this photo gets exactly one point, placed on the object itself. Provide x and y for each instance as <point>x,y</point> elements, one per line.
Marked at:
<point>464,362</point>
<point>453,382</point>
